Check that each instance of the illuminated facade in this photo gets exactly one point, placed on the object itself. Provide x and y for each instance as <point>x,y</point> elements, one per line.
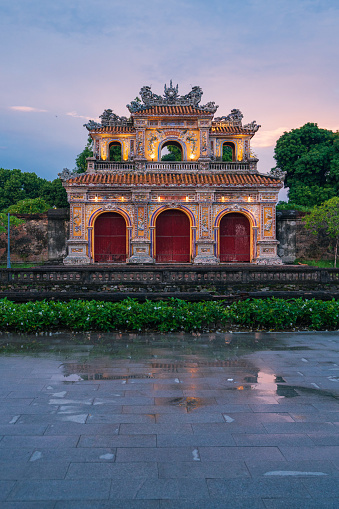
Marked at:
<point>142,209</point>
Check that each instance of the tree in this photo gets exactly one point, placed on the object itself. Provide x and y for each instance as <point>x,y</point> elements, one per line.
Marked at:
<point>310,156</point>
<point>115,153</point>
<point>13,221</point>
<point>174,153</point>
<point>325,218</point>
<point>16,185</point>
<point>80,162</point>
<point>29,206</point>
<point>54,194</point>
<point>227,153</point>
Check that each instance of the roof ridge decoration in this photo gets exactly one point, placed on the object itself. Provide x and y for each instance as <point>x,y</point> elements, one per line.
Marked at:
<point>108,119</point>
<point>234,119</point>
<point>171,97</point>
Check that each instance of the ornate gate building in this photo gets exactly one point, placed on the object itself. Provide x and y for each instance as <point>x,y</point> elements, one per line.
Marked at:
<point>211,206</point>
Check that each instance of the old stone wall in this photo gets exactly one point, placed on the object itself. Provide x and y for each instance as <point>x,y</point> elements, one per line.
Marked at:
<point>40,239</point>
<point>58,234</point>
<point>29,241</point>
<point>296,242</point>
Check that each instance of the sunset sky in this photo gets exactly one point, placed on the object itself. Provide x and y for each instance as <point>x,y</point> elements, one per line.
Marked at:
<point>65,61</point>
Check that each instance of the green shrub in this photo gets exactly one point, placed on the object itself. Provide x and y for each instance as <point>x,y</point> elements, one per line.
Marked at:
<point>167,316</point>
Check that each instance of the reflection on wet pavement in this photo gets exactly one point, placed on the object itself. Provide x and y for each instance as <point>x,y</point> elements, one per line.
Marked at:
<point>202,420</point>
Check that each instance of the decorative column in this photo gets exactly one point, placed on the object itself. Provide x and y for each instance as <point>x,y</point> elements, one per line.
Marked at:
<point>140,157</point>
<point>205,243</point>
<point>77,244</point>
<point>140,244</point>
<point>268,244</point>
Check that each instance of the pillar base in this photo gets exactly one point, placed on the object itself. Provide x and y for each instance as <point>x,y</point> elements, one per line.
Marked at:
<point>268,253</point>
<point>77,253</point>
<point>274,260</point>
<point>205,253</point>
<point>140,252</point>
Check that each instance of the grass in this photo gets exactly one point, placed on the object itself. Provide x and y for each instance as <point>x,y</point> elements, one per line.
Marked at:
<point>20,265</point>
<point>323,264</point>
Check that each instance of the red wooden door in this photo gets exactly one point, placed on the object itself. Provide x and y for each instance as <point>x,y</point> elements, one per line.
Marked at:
<point>110,238</point>
<point>234,238</point>
<point>172,233</point>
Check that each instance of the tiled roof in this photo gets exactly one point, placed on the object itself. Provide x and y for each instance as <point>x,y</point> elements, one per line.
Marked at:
<point>173,110</point>
<point>115,129</point>
<point>228,129</point>
<point>176,179</point>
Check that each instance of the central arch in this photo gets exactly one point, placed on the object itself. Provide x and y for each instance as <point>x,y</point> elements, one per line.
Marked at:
<point>172,237</point>
<point>174,143</point>
<point>110,238</point>
<point>235,238</point>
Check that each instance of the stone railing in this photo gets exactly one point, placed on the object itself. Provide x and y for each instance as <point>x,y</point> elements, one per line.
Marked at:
<point>231,166</point>
<point>173,166</point>
<point>118,281</point>
<point>110,165</point>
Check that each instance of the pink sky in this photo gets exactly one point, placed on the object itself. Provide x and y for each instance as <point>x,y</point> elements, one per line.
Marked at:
<point>65,62</point>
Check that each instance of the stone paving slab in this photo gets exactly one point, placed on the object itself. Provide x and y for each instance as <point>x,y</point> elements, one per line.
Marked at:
<point>260,431</point>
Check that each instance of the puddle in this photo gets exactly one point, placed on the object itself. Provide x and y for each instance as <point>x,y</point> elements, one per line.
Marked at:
<point>190,403</point>
<point>127,358</point>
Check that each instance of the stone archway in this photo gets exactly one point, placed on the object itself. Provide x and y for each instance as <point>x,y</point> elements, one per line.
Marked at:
<point>235,238</point>
<point>110,238</point>
<point>228,152</point>
<point>115,151</point>
<point>176,154</point>
<point>172,237</point>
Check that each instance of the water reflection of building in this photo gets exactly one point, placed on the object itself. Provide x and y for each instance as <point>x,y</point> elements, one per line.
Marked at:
<point>132,206</point>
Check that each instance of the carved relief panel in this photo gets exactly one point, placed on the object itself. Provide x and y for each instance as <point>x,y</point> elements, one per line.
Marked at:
<point>77,221</point>
<point>268,221</point>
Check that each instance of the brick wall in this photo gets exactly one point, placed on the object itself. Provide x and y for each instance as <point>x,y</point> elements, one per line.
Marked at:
<point>29,241</point>
<point>298,242</point>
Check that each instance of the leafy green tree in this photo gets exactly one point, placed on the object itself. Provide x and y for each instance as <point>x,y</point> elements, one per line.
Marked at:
<point>16,185</point>
<point>115,153</point>
<point>13,221</point>
<point>80,162</point>
<point>325,218</point>
<point>174,154</point>
<point>310,156</point>
<point>54,194</point>
<point>29,206</point>
<point>227,153</point>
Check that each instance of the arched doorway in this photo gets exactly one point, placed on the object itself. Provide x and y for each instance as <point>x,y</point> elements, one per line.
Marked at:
<point>172,237</point>
<point>110,238</point>
<point>115,151</point>
<point>228,152</point>
<point>235,238</point>
<point>171,151</point>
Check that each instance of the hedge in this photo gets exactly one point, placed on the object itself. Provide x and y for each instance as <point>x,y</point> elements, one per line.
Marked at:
<point>167,316</point>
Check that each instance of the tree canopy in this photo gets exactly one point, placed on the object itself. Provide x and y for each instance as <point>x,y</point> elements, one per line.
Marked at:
<point>80,161</point>
<point>173,155</point>
<point>325,218</point>
<point>310,156</point>
<point>29,206</point>
<point>13,221</point>
<point>16,185</point>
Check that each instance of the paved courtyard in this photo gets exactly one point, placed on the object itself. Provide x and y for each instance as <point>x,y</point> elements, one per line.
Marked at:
<point>172,422</point>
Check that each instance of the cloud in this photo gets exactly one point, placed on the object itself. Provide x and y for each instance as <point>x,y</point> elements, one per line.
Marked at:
<point>75,115</point>
<point>27,109</point>
<point>268,138</point>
